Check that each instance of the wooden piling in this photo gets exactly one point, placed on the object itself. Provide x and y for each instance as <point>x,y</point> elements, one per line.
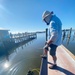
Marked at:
<point>46,34</point>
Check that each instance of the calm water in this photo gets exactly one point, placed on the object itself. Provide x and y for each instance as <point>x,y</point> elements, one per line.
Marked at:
<point>23,58</point>
<point>27,56</point>
<point>69,41</point>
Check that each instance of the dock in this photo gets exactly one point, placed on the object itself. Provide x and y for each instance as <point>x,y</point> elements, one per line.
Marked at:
<point>15,40</point>
<point>20,37</point>
<point>65,63</point>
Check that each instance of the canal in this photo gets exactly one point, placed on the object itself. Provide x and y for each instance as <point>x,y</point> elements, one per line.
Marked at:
<point>27,57</point>
<point>23,58</point>
<point>68,40</point>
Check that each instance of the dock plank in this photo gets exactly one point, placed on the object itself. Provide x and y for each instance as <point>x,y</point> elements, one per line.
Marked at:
<point>65,63</point>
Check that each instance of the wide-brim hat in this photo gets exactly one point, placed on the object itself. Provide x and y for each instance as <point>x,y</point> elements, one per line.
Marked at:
<point>45,14</point>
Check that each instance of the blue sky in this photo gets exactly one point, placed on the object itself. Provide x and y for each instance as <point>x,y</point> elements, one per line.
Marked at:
<point>26,15</point>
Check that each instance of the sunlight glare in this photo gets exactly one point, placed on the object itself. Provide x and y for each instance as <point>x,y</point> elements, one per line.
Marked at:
<point>6,65</point>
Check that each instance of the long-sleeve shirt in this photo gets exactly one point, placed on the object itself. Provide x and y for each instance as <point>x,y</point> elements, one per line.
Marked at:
<point>55,29</point>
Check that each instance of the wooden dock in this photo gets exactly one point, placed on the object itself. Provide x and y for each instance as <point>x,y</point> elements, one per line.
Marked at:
<point>20,37</point>
<point>65,63</point>
<point>15,40</point>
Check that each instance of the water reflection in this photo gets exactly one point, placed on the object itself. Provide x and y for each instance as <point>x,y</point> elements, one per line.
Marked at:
<point>16,50</point>
<point>7,57</point>
<point>74,36</point>
<point>66,36</point>
<point>68,40</point>
<point>63,35</point>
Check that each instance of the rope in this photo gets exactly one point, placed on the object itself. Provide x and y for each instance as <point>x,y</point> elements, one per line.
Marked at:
<point>31,72</point>
<point>37,70</point>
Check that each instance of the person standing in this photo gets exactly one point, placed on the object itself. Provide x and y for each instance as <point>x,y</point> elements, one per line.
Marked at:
<point>55,30</point>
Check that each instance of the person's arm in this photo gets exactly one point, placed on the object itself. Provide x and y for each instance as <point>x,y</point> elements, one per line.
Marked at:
<point>54,32</point>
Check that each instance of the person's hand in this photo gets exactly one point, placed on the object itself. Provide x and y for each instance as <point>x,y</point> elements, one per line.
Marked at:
<point>48,42</point>
<point>45,42</point>
<point>46,47</point>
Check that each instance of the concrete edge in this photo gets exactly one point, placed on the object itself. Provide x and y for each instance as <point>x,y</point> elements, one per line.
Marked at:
<point>41,66</point>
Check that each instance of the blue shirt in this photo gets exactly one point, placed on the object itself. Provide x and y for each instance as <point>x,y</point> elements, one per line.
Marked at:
<point>55,29</point>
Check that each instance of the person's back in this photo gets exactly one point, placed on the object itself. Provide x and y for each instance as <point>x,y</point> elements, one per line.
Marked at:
<point>57,27</point>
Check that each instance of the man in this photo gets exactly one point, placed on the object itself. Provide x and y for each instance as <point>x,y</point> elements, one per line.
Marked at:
<point>55,28</point>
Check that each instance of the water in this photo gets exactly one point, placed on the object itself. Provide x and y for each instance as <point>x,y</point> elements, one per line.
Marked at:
<point>23,58</point>
<point>28,57</point>
<point>69,41</point>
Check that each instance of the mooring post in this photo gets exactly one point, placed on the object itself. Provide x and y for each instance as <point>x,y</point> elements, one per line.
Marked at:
<point>46,34</point>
